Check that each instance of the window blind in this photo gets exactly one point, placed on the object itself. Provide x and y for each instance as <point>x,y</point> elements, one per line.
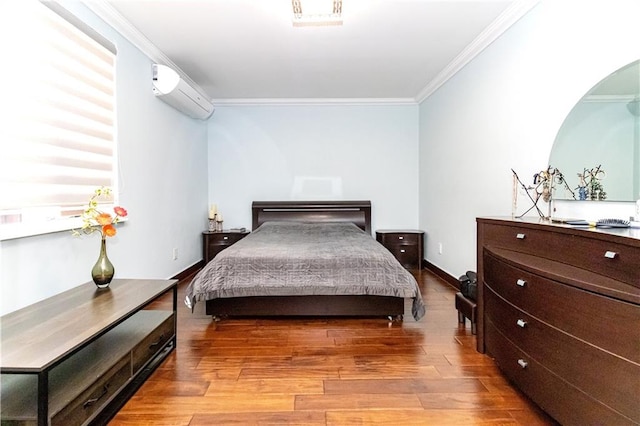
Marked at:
<point>59,142</point>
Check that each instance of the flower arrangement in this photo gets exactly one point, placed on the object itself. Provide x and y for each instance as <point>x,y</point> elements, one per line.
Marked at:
<point>590,187</point>
<point>95,220</point>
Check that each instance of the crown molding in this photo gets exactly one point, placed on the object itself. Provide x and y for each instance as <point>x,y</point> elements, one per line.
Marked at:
<point>314,101</point>
<point>112,17</point>
<point>502,23</point>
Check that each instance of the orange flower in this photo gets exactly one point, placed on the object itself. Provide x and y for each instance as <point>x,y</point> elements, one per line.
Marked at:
<point>103,219</point>
<point>109,230</point>
<point>94,220</point>
<point>120,211</point>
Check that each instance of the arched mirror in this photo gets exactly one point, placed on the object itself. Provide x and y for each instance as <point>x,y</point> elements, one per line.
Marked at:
<point>598,146</point>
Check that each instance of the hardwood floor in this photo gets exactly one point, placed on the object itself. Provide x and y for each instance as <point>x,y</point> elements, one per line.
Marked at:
<point>306,371</point>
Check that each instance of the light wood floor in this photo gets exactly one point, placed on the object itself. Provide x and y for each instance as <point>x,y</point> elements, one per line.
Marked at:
<point>329,372</point>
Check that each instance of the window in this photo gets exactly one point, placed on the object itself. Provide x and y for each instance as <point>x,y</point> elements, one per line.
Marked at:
<point>58,143</point>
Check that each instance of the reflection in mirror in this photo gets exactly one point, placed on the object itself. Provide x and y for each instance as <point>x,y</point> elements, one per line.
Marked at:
<point>602,132</point>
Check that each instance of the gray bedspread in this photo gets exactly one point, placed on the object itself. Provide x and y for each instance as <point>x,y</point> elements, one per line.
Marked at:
<point>296,259</point>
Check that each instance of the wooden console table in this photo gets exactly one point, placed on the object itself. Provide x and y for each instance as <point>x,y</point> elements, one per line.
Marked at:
<point>71,358</point>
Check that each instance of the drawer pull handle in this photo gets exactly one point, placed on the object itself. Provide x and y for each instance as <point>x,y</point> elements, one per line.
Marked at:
<point>157,342</point>
<point>90,402</point>
<point>611,255</point>
<point>520,236</point>
<point>521,282</point>
<point>402,250</point>
<point>522,363</point>
<point>401,238</point>
<point>225,238</point>
<point>521,323</point>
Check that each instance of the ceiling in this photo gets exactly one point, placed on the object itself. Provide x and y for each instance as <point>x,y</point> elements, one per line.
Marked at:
<point>247,51</point>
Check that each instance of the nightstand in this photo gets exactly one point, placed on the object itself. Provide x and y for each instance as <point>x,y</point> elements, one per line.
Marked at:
<point>214,242</point>
<point>405,244</point>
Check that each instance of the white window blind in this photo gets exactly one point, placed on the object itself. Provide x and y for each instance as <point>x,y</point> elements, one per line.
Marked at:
<point>59,142</point>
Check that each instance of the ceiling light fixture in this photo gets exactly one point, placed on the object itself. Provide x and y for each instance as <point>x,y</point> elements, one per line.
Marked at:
<point>316,13</point>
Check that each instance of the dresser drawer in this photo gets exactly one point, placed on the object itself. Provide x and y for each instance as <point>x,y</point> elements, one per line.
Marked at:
<point>613,324</point>
<point>564,402</point>
<point>525,240</point>
<point>92,399</point>
<point>610,259</point>
<point>152,343</point>
<point>568,357</point>
<point>618,261</point>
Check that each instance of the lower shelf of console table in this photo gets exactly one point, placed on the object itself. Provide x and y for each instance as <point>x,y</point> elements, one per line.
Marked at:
<point>103,356</point>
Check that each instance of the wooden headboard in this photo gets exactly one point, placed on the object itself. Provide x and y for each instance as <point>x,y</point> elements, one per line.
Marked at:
<point>358,212</point>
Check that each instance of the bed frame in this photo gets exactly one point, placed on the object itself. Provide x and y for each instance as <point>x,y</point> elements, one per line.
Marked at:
<point>358,212</point>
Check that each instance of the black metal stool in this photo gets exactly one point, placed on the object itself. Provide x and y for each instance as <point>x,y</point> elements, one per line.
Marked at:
<point>466,308</point>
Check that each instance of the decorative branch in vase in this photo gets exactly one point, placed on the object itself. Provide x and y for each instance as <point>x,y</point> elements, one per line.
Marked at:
<point>544,184</point>
<point>96,220</point>
<point>590,186</point>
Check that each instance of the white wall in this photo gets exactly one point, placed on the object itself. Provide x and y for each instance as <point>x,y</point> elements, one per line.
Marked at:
<point>503,111</point>
<point>255,153</point>
<point>163,172</point>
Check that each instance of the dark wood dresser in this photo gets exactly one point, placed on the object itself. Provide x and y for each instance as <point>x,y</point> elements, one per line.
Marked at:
<point>405,244</point>
<point>559,310</point>
<point>214,242</point>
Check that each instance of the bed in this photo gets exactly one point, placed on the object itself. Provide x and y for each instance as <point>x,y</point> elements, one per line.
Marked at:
<point>306,259</point>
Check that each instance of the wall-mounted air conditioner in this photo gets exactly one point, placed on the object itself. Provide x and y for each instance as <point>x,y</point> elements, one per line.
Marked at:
<point>171,88</point>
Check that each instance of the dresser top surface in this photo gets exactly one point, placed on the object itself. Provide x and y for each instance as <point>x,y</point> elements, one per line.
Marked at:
<point>39,335</point>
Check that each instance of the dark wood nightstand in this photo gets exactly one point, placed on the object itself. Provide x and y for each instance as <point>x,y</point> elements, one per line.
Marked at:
<point>405,244</point>
<point>214,242</point>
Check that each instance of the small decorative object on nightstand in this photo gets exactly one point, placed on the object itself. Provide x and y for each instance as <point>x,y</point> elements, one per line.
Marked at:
<point>213,212</point>
<point>219,227</point>
<point>214,242</point>
<point>405,244</point>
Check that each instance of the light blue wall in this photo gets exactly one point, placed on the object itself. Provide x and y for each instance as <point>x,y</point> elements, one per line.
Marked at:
<point>163,176</point>
<point>503,111</point>
<point>255,153</point>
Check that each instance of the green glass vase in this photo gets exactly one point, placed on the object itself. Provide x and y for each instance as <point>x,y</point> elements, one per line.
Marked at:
<point>103,270</point>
